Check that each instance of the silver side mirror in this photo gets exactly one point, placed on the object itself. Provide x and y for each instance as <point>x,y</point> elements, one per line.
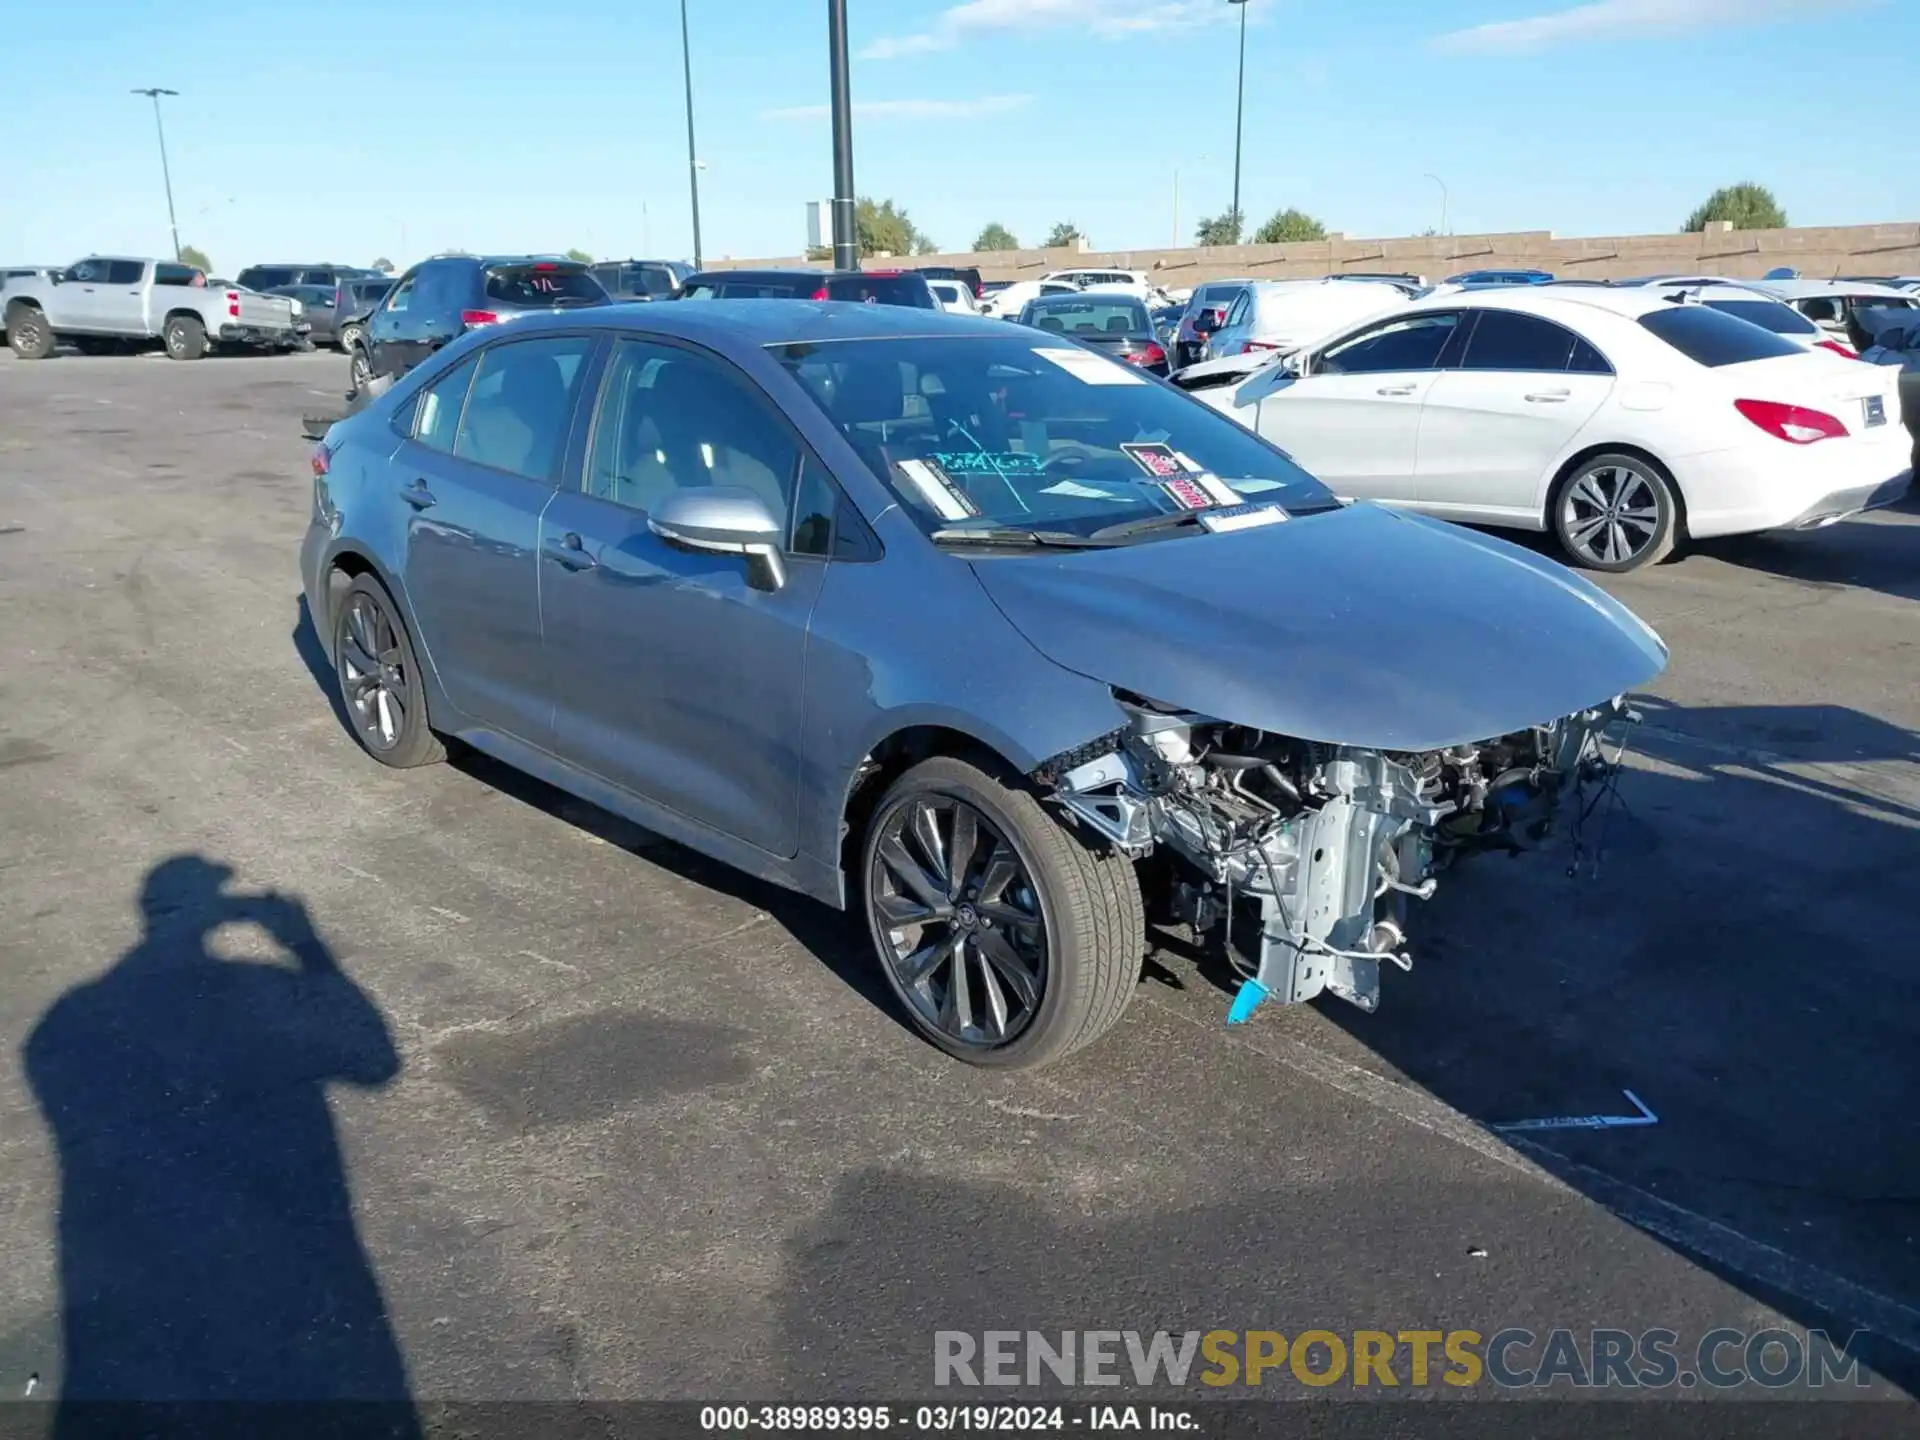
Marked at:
<point>724,520</point>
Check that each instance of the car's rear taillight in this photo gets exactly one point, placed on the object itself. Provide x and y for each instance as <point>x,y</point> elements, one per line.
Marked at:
<point>233,304</point>
<point>1261,345</point>
<point>479,317</point>
<point>1147,354</point>
<point>1837,348</point>
<point>1795,424</point>
<point>820,294</point>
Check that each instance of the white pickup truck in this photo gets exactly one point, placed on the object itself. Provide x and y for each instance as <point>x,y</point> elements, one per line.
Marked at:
<point>108,302</point>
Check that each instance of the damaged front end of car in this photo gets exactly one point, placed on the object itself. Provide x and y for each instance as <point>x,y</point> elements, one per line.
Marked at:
<point>1322,844</point>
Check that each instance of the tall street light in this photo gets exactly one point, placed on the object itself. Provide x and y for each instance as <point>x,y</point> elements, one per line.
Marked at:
<point>1239,115</point>
<point>154,93</point>
<point>1443,201</point>
<point>693,165</point>
<point>846,239</point>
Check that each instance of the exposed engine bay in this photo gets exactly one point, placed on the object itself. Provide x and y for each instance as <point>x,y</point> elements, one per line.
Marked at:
<point>1320,845</point>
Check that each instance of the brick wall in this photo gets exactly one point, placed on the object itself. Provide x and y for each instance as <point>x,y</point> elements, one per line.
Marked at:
<point>1849,250</point>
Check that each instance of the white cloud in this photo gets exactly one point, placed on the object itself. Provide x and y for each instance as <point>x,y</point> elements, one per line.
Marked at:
<point>1620,20</point>
<point>908,109</point>
<point>1107,19</point>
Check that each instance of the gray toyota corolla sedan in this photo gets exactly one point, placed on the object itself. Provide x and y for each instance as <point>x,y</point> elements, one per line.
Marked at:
<point>966,627</point>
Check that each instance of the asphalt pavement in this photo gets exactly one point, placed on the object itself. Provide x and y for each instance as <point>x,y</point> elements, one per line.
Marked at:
<point>525,1102</point>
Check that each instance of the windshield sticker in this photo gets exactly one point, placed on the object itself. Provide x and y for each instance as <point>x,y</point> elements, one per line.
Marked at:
<point>1089,368</point>
<point>986,462</point>
<point>1074,490</point>
<point>1244,517</point>
<point>939,493</point>
<point>1222,493</point>
<point>1157,460</point>
<point>1186,494</point>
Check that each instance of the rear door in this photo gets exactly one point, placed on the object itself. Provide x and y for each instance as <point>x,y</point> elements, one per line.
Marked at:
<point>1354,419</point>
<point>475,474</point>
<point>1492,430</point>
<point>122,298</point>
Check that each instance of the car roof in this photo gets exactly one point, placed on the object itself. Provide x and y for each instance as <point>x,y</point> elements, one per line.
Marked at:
<point>797,273</point>
<point>1551,300</point>
<point>765,322</point>
<point>1819,289</point>
<point>1714,290</point>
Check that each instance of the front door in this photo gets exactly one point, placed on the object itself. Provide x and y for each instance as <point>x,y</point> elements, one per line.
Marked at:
<point>1353,420</point>
<point>675,675</point>
<point>1493,429</point>
<point>479,469</point>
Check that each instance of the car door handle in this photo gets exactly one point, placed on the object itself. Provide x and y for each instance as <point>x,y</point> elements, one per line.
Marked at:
<point>1395,390</point>
<point>418,495</point>
<point>1547,397</point>
<point>569,552</point>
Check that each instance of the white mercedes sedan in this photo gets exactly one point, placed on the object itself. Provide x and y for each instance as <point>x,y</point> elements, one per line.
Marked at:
<point>1623,421</point>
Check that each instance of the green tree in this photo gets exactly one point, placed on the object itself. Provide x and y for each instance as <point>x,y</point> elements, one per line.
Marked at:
<point>193,255</point>
<point>995,237</point>
<point>1221,229</point>
<point>819,252</point>
<point>884,227</point>
<point>383,265</point>
<point>1747,205</point>
<point>925,244</point>
<point>579,256</point>
<point>1064,234</point>
<point>1287,226</point>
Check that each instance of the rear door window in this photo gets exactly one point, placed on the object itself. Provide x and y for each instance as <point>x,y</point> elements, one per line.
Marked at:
<point>521,405</point>
<point>125,272</point>
<point>543,284</point>
<point>1506,340</point>
<point>437,420</point>
<point>1707,337</point>
<point>165,274</point>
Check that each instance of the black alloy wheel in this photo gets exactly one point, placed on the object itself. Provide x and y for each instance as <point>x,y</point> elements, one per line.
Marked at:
<point>1010,939</point>
<point>380,679</point>
<point>966,931</point>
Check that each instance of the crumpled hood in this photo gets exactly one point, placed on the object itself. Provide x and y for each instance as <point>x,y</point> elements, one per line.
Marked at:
<point>1360,626</point>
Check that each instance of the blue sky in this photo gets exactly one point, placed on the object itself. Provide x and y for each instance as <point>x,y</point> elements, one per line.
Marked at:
<point>348,130</point>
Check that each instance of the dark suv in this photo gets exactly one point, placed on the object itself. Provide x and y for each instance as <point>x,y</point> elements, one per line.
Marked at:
<point>441,299</point>
<point>641,279</point>
<point>871,287</point>
<point>277,277</point>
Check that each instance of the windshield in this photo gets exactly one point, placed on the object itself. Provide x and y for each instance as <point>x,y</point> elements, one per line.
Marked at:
<point>1768,315</point>
<point>1707,337</point>
<point>1029,432</point>
<point>1086,318</point>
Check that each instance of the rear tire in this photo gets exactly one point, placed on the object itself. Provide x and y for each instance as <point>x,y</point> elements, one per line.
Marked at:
<point>379,676</point>
<point>185,337</point>
<point>1083,903</point>
<point>28,333</point>
<point>1615,512</point>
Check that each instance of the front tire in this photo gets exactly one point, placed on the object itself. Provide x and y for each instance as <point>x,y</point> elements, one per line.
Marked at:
<point>349,339</point>
<point>380,680</point>
<point>1615,512</point>
<point>29,335</point>
<point>1009,942</point>
<point>185,337</point>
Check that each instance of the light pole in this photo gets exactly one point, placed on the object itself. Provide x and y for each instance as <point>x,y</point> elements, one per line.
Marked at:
<point>154,93</point>
<point>1443,201</point>
<point>693,165</point>
<point>1239,116</point>
<point>846,238</point>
